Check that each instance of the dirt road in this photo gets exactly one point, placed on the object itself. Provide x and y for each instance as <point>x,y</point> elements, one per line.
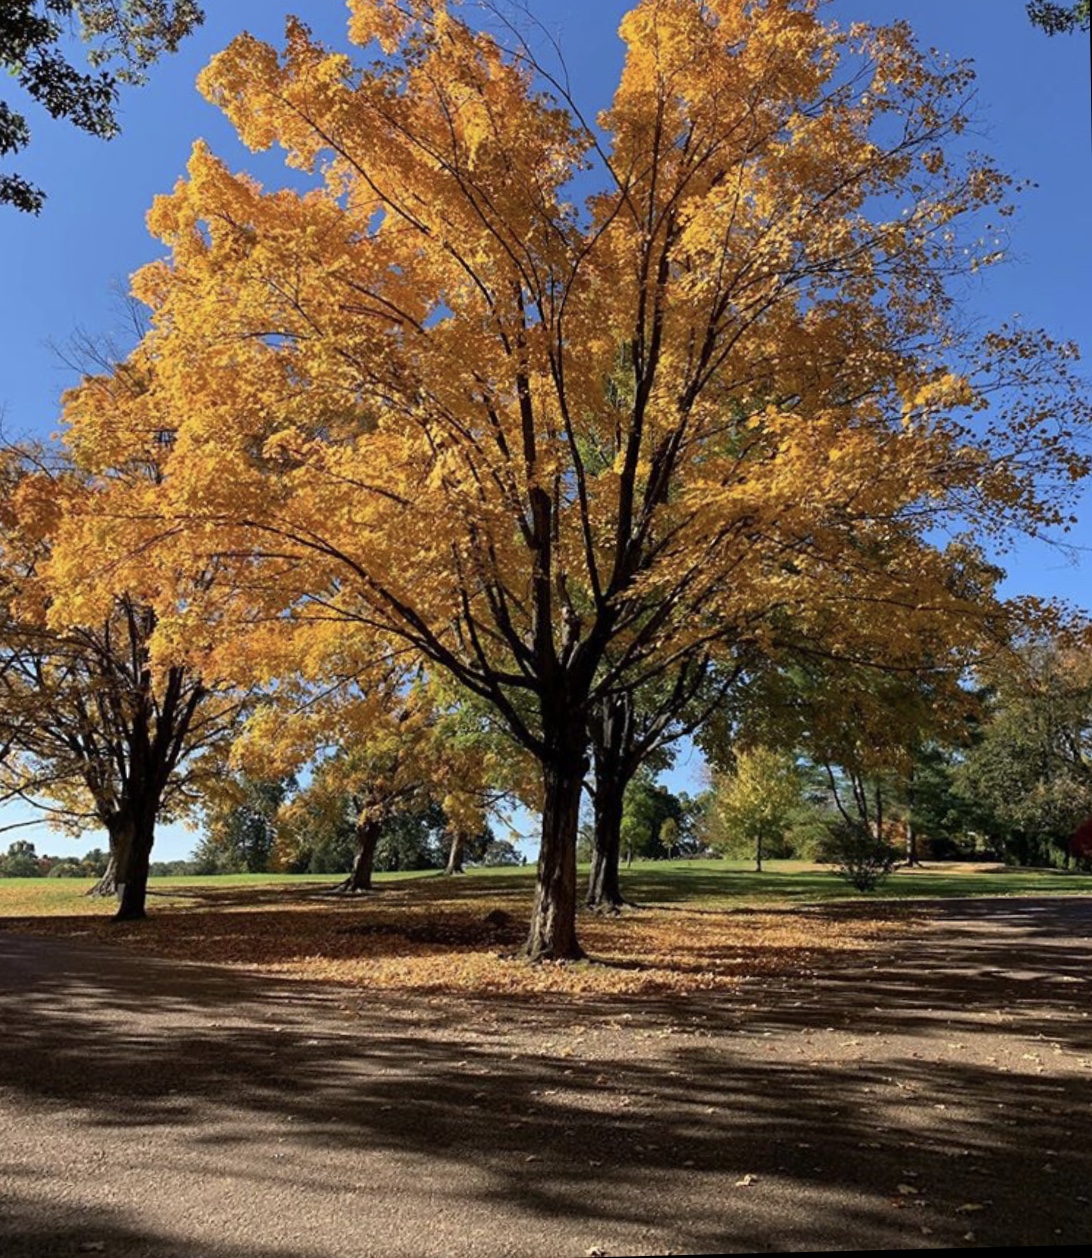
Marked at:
<point>936,1095</point>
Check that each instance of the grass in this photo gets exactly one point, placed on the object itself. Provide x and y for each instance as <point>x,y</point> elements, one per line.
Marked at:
<point>721,884</point>
<point>703,924</point>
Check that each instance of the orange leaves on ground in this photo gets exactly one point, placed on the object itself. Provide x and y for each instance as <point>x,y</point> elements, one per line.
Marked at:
<point>428,936</point>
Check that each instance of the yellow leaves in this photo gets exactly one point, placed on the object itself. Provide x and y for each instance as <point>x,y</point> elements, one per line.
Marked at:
<point>370,389</point>
<point>386,21</point>
<point>247,65</point>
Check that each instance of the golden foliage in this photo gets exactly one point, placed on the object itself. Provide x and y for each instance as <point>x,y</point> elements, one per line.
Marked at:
<point>433,397</point>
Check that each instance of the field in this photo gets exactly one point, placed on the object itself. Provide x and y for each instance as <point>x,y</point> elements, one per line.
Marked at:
<point>701,925</point>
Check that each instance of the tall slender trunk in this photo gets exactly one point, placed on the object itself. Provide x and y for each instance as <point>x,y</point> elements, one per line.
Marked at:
<point>553,918</point>
<point>135,834</point>
<point>758,854</point>
<point>455,855</point>
<point>604,889</point>
<point>911,837</point>
<point>611,730</point>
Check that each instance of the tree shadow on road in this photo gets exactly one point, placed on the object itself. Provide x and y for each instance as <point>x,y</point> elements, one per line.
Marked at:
<point>942,1095</point>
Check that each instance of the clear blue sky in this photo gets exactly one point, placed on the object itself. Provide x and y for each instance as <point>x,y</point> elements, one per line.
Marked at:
<point>59,269</point>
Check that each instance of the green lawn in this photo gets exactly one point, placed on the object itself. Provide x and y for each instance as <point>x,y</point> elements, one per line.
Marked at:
<point>712,882</point>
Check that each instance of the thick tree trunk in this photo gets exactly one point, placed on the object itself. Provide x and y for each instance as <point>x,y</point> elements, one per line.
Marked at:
<point>360,879</point>
<point>553,919</point>
<point>133,851</point>
<point>604,889</point>
<point>455,856</point>
<point>107,885</point>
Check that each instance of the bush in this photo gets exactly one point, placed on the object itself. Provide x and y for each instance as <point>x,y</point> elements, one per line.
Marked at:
<point>67,869</point>
<point>862,858</point>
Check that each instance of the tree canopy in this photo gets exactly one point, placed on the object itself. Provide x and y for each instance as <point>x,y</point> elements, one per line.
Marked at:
<point>1059,19</point>
<point>557,405</point>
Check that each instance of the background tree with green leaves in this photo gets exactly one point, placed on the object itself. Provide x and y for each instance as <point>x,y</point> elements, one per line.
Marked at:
<point>1028,777</point>
<point>1059,19</point>
<point>241,824</point>
<point>124,37</point>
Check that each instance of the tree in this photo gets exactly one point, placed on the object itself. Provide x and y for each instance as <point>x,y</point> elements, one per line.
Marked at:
<point>860,851</point>
<point>125,36</point>
<point>94,731</point>
<point>1028,776</point>
<point>21,861</point>
<point>1059,19</point>
<point>754,805</point>
<point>241,824</point>
<point>629,731</point>
<point>865,726</point>
<point>557,452</point>
<point>411,839</point>
<point>315,835</point>
<point>646,808</point>
<point>382,742</point>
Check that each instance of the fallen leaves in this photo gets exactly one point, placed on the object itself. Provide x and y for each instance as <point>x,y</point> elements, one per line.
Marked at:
<point>434,935</point>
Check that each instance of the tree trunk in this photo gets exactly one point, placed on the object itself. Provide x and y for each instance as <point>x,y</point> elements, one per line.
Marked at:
<point>604,891</point>
<point>911,837</point>
<point>133,851</point>
<point>611,731</point>
<point>758,854</point>
<point>360,879</point>
<point>107,885</point>
<point>455,856</point>
<point>553,918</point>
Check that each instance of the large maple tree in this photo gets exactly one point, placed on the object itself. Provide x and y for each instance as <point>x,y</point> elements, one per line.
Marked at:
<point>559,402</point>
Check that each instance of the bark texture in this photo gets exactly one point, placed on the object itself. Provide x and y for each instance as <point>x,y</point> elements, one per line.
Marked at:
<point>553,918</point>
<point>360,877</point>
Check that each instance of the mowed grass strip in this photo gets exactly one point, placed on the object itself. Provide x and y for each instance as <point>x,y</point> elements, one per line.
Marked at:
<point>703,925</point>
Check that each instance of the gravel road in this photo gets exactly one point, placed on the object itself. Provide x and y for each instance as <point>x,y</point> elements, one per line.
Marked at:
<point>936,1094</point>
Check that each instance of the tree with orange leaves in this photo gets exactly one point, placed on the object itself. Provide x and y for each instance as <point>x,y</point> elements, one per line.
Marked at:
<point>93,731</point>
<point>381,740</point>
<point>556,450</point>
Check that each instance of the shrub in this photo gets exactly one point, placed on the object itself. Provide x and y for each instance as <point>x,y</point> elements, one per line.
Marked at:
<point>67,869</point>
<point>861,857</point>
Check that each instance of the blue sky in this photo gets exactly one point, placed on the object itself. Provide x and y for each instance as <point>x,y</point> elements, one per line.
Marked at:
<point>59,270</point>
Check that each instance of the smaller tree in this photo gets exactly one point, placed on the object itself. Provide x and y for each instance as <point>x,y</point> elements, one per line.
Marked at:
<point>21,861</point>
<point>410,838</point>
<point>755,804</point>
<point>860,855</point>
<point>646,808</point>
<point>241,820</point>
